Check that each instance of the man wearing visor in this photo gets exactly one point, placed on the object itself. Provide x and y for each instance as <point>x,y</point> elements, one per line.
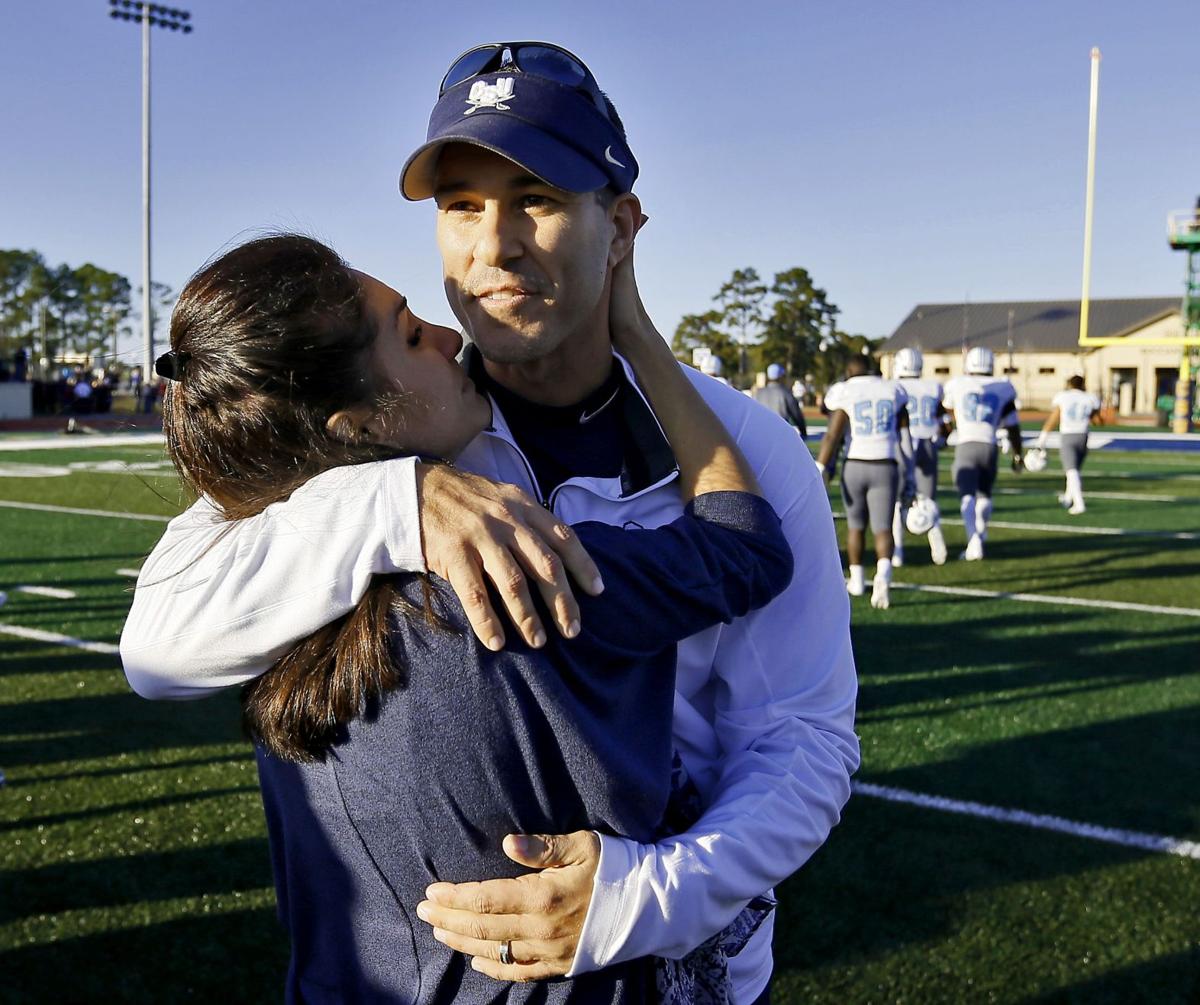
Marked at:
<point>527,162</point>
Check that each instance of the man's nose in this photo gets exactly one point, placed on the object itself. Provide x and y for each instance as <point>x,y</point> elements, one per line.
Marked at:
<point>496,239</point>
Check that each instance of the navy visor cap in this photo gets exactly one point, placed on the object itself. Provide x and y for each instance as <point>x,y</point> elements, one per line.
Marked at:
<point>552,130</point>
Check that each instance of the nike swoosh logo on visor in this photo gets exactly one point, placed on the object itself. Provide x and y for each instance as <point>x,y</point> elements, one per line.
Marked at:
<point>610,158</point>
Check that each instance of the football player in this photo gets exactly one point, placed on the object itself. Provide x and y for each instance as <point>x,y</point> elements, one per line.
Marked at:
<point>1073,411</point>
<point>873,410</point>
<point>981,404</point>
<point>927,426</point>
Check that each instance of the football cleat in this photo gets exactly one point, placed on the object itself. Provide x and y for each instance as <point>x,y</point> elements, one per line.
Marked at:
<point>1077,508</point>
<point>937,546</point>
<point>974,552</point>
<point>880,593</point>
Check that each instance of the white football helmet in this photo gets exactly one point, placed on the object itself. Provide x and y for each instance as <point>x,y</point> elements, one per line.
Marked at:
<point>711,365</point>
<point>1035,459</point>
<point>909,363</point>
<point>981,361</point>
<point>922,516</point>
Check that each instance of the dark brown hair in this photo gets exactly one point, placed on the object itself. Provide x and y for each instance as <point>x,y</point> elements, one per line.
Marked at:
<point>1075,381</point>
<point>271,340</point>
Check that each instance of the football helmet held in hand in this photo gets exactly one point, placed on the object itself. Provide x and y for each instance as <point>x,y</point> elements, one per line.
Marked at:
<point>922,516</point>
<point>1035,459</point>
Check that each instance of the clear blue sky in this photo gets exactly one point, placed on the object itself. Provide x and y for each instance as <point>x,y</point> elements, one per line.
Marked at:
<point>900,152</point>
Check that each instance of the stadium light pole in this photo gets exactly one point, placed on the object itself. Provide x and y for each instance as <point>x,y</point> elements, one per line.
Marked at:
<point>173,19</point>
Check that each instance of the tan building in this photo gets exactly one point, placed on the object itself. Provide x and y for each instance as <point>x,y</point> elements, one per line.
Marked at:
<point>1037,347</point>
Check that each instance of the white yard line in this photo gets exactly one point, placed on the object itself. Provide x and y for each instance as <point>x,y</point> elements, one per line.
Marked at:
<point>131,573</point>
<point>42,507</point>
<point>53,638</point>
<point>1039,821</point>
<point>47,591</point>
<point>62,442</point>
<point>1044,598</point>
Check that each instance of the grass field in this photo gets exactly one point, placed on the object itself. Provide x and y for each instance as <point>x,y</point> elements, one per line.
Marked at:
<point>134,864</point>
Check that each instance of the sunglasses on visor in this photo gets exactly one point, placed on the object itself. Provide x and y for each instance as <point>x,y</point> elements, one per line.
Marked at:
<point>541,59</point>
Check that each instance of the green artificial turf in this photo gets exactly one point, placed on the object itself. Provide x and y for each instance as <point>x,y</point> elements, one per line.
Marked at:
<point>133,857</point>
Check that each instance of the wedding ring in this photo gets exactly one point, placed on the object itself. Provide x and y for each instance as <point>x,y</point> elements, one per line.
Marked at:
<point>506,956</point>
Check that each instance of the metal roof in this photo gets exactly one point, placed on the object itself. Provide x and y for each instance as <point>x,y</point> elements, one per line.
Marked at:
<point>1037,326</point>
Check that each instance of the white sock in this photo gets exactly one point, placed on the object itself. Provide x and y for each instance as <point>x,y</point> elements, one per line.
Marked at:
<point>1075,487</point>
<point>856,574</point>
<point>983,513</point>
<point>967,508</point>
<point>898,526</point>
<point>883,570</point>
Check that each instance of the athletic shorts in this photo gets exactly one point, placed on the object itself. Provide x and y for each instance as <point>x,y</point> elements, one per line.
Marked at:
<point>975,468</point>
<point>1072,451</point>
<point>869,488</point>
<point>925,458</point>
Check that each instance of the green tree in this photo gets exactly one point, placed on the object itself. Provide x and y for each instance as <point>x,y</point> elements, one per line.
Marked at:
<point>60,309</point>
<point>741,299</point>
<point>800,316</point>
<point>706,331</point>
<point>24,281</point>
<point>103,309</point>
<point>837,349</point>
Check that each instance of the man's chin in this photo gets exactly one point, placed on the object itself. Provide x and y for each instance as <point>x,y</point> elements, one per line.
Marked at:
<point>512,346</point>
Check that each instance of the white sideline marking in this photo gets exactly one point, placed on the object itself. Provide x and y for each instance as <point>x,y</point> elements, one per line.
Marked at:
<point>37,635</point>
<point>62,442</point>
<point>1040,821</point>
<point>131,573</point>
<point>1044,598</point>
<point>47,591</point>
<point>1062,528</point>
<point>1119,496</point>
<point>42,507</point>
<point>1066,528</point>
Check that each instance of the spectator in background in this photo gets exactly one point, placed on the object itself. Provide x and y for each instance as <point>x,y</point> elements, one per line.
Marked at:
<point>711,365</point>
<point>1165,407</point>
<point>780,400</point>
<point>81,395</point>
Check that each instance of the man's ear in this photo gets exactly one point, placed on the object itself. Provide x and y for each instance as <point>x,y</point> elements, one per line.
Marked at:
<point>626,216</point>
<point>350,425</point>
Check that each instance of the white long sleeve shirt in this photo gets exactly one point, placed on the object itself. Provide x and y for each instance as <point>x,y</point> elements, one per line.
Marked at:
<point>764,707</point>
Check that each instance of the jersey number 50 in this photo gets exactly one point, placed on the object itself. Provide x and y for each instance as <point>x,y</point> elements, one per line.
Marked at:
<point>873,417</point>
